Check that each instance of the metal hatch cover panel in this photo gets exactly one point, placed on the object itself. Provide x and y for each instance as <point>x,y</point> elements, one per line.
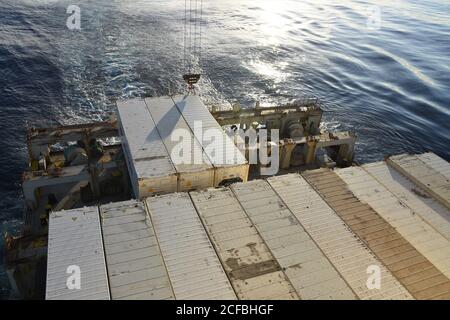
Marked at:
<point>412,196</point>
<point>251,267</point>
<point>151,170</point>
<point>306,266</point>
<point>75,239</point>
<point>342,247</point>
<point>136,269</point>
<point>194,269</point>
<point>428,177</point>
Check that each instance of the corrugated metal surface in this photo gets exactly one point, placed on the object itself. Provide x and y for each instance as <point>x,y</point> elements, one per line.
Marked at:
<point>219,148</point>
<point>252,269</point>
<point>437,184</point>
<point>135,266</point>
<point>195,171</point>
<point>436,162</point>
<point>412,196</point>
<point>342,247</point>
<point>411,268</point>
<point>75,239</point>
<point>420,234</point>
<point>308,269</point>
<point>148,161</point>
<point>391,242</point>
<point>193,266</point>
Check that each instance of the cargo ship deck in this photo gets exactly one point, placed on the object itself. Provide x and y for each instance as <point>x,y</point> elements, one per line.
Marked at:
<point>314,235</point>
<point>135,223</point>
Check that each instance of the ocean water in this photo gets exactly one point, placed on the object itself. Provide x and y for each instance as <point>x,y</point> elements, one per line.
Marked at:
<point>381,68</point>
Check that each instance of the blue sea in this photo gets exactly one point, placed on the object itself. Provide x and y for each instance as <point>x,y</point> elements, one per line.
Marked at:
<point>381,68</point>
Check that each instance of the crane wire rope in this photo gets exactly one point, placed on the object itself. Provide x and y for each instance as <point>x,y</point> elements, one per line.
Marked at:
<point>192,42</point>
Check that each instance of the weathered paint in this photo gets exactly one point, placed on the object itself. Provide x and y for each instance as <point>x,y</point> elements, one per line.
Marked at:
<point>194,269</point>
<point>342,247</point>
<point>252,236</point>
<point>436,162</point>
<point>251,267</point>
<point>150,168</point>
<point>412,196</point>
<point>135,266</point>
<point>416,273</point>
<point>217,145</point>
<point>193,167</point>
<point>434,182</point>
<point>75,239</point>
<point>306,266</point>
<point>420,234</point>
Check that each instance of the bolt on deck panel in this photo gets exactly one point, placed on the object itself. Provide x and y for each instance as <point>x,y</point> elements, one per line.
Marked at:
<point>194,269</point>
<point>413,196</point>
<point>306,266</point>
<point>75,239</point>
<point>252,269</point>
<point>417,274</point>
<point>425,176</point>
<point>342,247</point>
<point>135,266</point>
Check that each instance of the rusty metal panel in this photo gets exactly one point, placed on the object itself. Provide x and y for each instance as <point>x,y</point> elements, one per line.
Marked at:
<point>238,172</point>
<point>425,176</point>
<point>158,184</point>
<point>75,239</point>
<point>150,168</point>
<point>253,270</point>
<point>136,269</point>
<point>194,169</point>
<point>217,145</point>
<point>412,196</point>
<point>420,234</point>
<point>342,247</point>
<point>306,266</point>
<point>436,162</point>
<point>194,269</point>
